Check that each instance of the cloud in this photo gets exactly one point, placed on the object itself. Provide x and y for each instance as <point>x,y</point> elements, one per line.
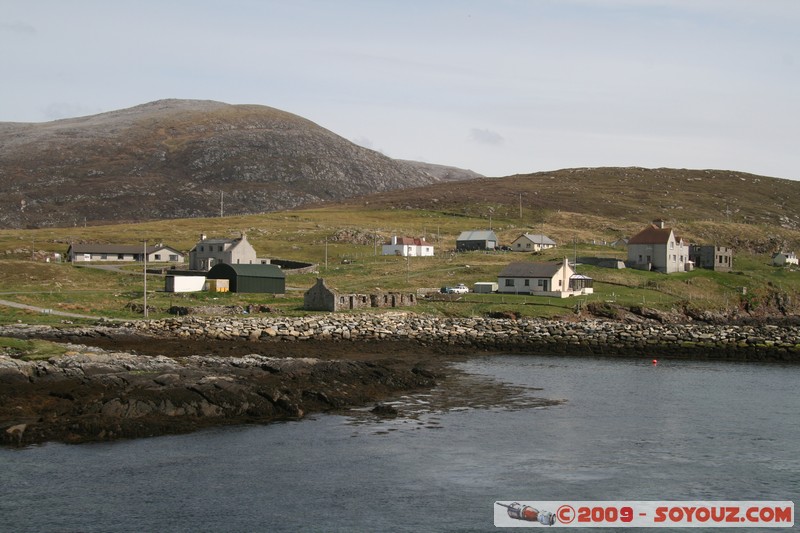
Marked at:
<point>485,136</point>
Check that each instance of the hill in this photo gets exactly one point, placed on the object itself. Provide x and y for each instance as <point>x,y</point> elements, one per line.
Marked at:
<point>616,201</point>
<point>184,159</point>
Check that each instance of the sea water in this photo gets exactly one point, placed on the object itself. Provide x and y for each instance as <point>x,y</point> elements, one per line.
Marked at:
<point>559,428</point>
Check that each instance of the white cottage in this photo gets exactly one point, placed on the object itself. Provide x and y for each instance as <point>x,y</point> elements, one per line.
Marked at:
<point>528,242</point>
<point>408,247</point>
<point>784,259</point>
<point>158,253</point>
<point>542,279</point>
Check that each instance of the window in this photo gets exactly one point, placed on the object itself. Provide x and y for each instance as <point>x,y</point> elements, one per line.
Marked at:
<point>121,256</point>
<point>509,282</point>
<point>173,257</point>
<point>541,282</point>
<point>201,247</point>
<point>527,283</point>
<point>157,257</point>
<point>103,256</point>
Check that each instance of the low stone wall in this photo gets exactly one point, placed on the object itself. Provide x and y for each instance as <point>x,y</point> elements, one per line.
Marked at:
<point>590,337</point>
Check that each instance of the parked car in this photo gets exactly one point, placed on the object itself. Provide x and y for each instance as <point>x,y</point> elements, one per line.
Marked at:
<point>458,289</point>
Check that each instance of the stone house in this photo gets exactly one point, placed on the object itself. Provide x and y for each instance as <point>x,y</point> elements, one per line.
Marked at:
<point>658,248</point>
<point>320,297</point>
<point>718,258</point>
<point>209,252</point>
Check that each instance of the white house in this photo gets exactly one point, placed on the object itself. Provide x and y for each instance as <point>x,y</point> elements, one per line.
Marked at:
<point>657,248</point>
<point>532,243</point>
<point>555,279</point>
<point>408,247</point>
<point>157,253</point>
<point>784,259</point>
<point>209,252</point>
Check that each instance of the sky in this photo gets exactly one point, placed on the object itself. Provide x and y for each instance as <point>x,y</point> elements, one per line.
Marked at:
<point>500,87</point>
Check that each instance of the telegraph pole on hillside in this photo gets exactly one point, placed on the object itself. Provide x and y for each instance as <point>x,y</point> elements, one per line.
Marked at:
<point>144,270</point>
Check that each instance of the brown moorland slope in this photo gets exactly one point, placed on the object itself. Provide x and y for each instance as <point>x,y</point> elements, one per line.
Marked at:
<point>621,194</point>
<point>184,159</point>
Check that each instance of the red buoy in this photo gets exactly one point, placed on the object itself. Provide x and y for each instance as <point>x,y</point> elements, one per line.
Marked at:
<point>655,361</point>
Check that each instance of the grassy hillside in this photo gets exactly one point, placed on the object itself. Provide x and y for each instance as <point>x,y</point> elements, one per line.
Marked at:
<point>740,209</point>
<point>346,244</point>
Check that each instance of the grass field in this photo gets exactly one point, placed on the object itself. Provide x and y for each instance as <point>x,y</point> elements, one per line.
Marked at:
<point>347,247</point>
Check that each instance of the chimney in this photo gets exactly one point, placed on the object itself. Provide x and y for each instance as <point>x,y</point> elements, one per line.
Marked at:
<point>659,223</point>
<point>394,240</point>
<point>202,236</point>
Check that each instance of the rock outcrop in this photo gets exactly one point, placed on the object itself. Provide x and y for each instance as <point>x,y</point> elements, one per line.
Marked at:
<point>90,394</point>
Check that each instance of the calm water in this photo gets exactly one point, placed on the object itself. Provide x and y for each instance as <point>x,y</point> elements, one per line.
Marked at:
<point>627,431</point>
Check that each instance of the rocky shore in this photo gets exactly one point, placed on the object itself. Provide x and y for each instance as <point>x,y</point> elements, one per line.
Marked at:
<point>763,342</point>
<point>154,377</point>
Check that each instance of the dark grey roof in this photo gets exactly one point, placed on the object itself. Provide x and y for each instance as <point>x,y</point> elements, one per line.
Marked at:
<point>530,270</point>
<point>252,271</point>
<point>540,239</point>
<point>477,235</point>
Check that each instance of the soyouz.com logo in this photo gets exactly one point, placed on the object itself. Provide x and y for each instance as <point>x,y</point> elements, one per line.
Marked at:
<point>620,514</point>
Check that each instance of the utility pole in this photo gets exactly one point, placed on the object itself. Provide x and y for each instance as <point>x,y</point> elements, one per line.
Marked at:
<point>520,207</point>
<point>144,270</point>
<point>326,254</point>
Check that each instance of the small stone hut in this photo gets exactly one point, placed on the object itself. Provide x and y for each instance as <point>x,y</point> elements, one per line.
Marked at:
<point>320,297</point>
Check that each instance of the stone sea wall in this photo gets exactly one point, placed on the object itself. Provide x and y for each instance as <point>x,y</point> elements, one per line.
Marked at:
<point>588,337</point>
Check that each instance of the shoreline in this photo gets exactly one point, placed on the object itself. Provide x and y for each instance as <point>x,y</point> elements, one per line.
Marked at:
<point>148,378</point>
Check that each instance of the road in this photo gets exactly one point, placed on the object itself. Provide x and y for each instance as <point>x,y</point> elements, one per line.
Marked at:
<point>42,310</point>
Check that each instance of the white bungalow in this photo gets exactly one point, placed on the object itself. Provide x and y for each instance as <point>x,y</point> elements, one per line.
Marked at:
<point>408,247</point>
<point>532,243</point>
<point>784,259</point>
<point>158,253</point>
<point>556,279</point>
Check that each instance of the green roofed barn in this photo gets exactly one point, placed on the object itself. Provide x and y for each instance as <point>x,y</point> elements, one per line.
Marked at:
<point>250,278</point>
